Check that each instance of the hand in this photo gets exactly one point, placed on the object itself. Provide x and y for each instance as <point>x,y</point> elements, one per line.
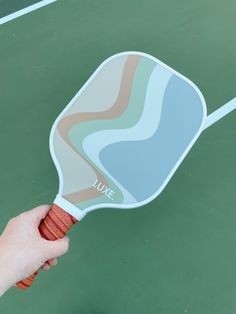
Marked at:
<point>22,249</point>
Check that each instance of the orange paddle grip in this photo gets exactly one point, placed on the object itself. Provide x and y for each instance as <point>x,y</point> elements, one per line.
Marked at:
<point>54,226</point>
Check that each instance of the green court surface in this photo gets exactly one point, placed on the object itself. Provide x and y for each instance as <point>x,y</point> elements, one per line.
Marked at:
<point>176,255</point>
<point>8,7</point>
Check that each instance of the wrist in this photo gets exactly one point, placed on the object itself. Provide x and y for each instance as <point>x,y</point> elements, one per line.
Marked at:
<point>5,284</point>
<point>6,274</point>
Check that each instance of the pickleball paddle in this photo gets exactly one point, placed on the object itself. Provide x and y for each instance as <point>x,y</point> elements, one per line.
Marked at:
<point>121,138</point>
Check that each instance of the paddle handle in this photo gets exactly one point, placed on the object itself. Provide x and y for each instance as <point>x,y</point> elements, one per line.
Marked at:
<point>54,226</point>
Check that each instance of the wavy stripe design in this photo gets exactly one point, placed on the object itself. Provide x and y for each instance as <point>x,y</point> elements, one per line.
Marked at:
<point>116,109</point>
<point>121,137</point>
<point>147,124</point>
<point>129,117</point>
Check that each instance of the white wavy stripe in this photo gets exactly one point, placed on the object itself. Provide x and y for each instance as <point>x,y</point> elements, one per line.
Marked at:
<point>144,129</point>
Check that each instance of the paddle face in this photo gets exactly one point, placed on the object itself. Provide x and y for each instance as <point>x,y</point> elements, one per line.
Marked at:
<point>122,137</point>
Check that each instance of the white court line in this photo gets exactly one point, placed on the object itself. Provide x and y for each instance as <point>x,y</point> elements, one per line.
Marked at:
<point>24,11</point>
<point>220,113</point>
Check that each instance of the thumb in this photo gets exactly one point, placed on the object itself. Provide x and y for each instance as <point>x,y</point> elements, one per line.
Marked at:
<point>38,213</point>
<point>56,248</point>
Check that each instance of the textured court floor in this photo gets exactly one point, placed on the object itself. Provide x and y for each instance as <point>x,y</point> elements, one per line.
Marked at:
<point>176,255</point>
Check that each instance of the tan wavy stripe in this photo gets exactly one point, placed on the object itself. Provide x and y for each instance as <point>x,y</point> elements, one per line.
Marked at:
<point>116,110</point>
<point>86,194</point>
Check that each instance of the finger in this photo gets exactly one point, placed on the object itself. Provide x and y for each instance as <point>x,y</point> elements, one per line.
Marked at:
<point>52,262</point>
<point>46,266</point>
<point>38,213</point>
<point>55,248</point>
